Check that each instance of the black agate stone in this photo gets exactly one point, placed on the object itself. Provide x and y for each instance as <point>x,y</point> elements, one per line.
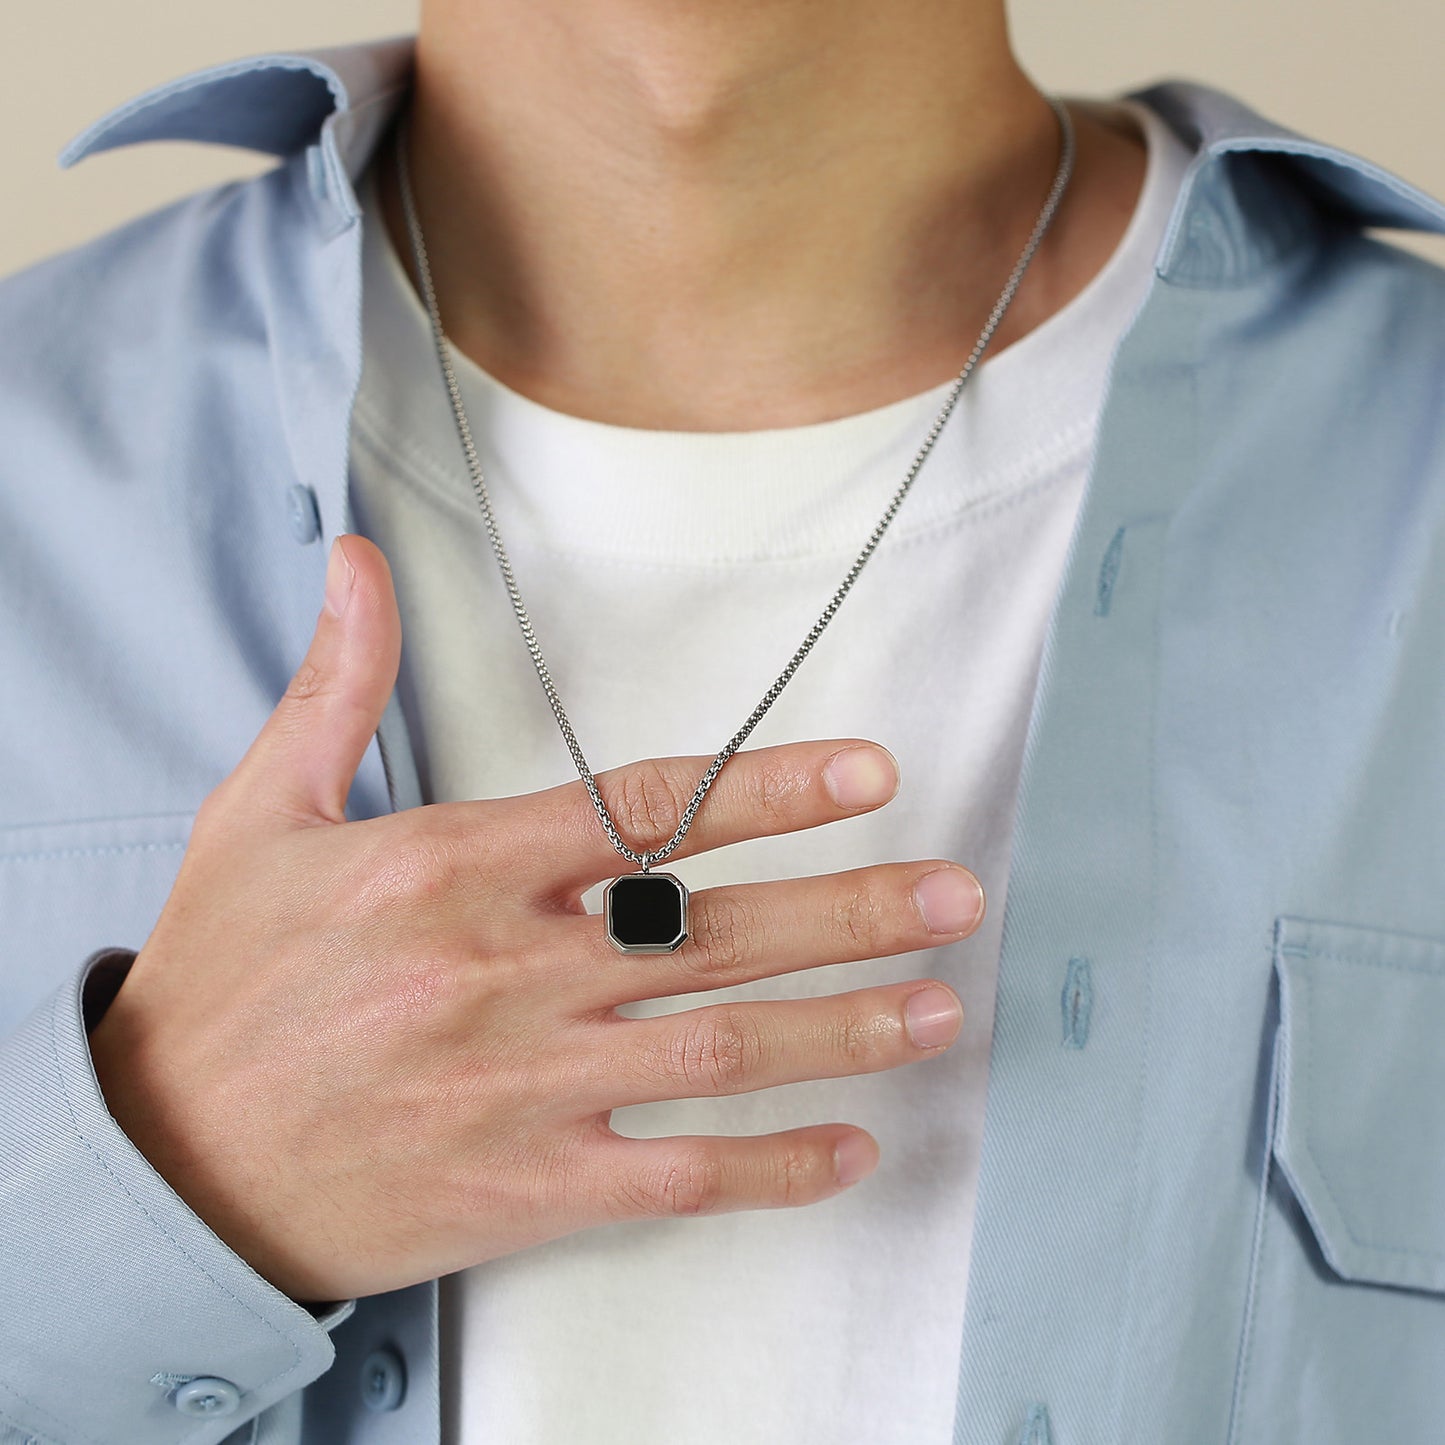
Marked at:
<point>646,912</point>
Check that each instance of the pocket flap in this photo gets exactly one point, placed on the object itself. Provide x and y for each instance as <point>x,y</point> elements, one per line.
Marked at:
<point>1360,1128</point>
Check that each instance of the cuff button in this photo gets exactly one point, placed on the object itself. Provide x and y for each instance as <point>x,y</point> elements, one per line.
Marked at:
<point>206,1395</point>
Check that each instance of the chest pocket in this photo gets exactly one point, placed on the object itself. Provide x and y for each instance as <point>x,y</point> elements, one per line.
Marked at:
<point>1346,1336</point>
<point>67,889</point>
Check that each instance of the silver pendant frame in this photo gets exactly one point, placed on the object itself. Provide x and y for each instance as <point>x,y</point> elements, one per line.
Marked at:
<point>644,947</point>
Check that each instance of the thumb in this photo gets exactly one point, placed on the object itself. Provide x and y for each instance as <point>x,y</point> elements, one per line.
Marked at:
<point>301,764</point>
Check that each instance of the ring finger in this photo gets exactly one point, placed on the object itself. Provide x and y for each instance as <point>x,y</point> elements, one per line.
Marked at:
<point>734,1048</point>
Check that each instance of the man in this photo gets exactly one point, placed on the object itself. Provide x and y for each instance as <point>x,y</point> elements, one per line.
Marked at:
<point>315,1073</point>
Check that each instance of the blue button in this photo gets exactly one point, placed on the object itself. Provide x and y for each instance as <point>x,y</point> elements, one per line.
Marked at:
<point>383,1380</point>
<point>303,514</point>
<point>206,1395</point>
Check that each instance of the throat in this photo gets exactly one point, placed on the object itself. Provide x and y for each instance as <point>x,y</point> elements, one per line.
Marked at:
<point>711,222</point>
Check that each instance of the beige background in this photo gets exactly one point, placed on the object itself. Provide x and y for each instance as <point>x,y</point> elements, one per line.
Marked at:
<point>1365,76</point>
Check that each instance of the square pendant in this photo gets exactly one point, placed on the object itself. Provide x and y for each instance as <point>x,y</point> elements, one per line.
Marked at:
<point>646,912</point>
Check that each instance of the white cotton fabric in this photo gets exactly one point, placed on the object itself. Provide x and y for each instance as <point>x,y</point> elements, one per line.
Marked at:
<point>670,576</point>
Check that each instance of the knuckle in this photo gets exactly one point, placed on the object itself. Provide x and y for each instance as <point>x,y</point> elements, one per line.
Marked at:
<point>556,1178</point>
<point>860,1041</point>
<point>419,860</point>
<point>414,1009</point>
<point>474,1196</point>
<point>689,1184</point>
<point>796,1173</point>
<point>307,683</point>
<point>421,987</point>
<point>722,936</point>
<point>719,1051</point>
<point>213,809</point>
<point>222,821</point>
<point>771,792</point>
<point>859,916</point>
<point>648,802</point>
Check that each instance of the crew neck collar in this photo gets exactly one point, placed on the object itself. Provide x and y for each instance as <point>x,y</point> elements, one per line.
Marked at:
<point>577,485</point>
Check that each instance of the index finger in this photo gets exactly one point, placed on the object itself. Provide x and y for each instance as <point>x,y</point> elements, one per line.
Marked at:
<point>758,792</point>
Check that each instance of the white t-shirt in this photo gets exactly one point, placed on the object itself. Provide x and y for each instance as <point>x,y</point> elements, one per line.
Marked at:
<point>670,576</point>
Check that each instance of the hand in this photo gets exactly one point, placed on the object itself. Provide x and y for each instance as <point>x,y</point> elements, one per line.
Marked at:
<point>370,1053</point>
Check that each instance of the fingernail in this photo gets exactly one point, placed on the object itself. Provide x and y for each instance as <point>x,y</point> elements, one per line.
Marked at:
<point>339,576</point>
<point>859,777</point>
<point>853,1157</point>
<point>933,1017</point>
<point>950,900</point>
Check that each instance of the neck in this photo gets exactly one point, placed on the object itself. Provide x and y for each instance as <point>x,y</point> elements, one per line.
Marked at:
<point>716,216</point>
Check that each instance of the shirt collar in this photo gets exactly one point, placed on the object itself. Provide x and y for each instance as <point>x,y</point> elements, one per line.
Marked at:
<point>1233,216</point>
<point>333,104</point>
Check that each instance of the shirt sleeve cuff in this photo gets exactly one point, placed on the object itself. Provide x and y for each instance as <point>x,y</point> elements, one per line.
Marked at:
<point>123,1317</point>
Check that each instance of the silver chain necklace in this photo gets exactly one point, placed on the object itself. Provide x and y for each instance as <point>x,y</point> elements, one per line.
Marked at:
<point>646,912</point>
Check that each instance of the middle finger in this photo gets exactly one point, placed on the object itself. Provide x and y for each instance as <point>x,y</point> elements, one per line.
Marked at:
<point>741,932</point>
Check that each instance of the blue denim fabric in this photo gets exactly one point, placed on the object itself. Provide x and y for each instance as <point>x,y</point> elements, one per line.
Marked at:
<point>1211,1210</point>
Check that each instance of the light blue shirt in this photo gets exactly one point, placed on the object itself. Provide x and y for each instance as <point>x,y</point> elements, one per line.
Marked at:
<point>1212,1198</point>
